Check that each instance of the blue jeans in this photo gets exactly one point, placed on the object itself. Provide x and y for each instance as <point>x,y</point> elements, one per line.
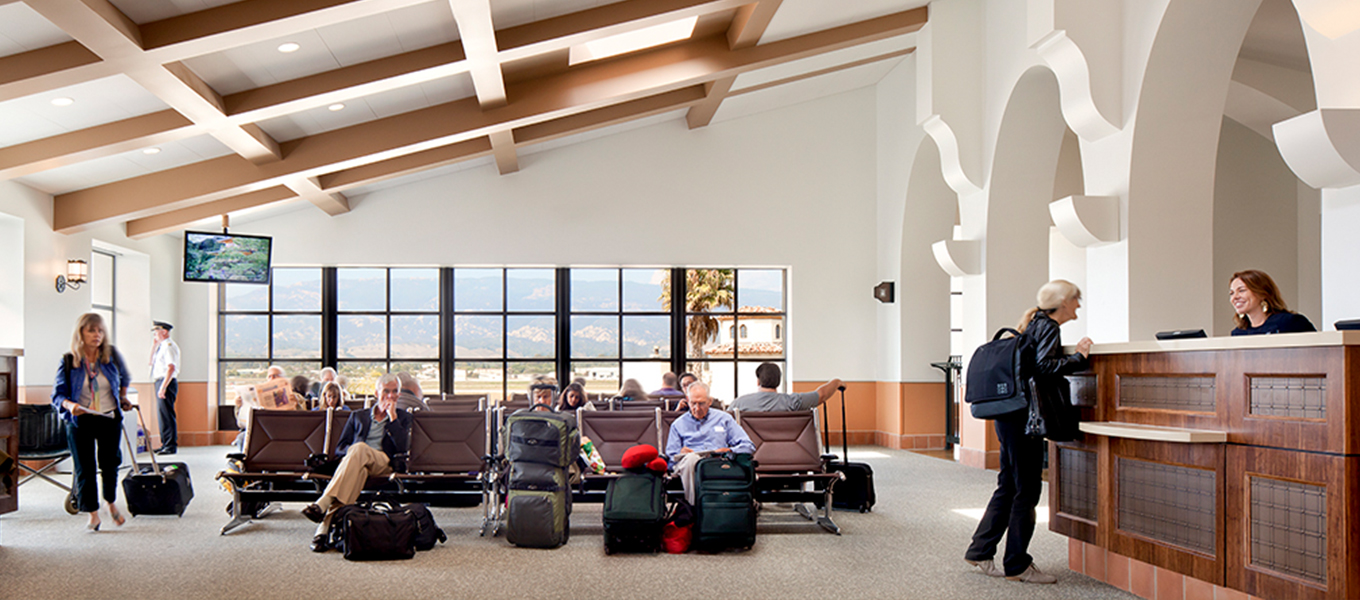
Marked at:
<point>93,438</point>
<point>1011,510</point>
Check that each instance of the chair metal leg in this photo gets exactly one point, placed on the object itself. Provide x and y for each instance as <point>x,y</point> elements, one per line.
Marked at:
<point>824,520</point>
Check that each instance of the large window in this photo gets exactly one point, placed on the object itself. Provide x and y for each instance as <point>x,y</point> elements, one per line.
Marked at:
<point>488,331</point>
<point>734,320</point>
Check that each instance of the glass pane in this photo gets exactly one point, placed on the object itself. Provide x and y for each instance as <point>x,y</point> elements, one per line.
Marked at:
<point>110,328</point>
<point>415,290</point>
<point>521,373</point>
<point>297,289</point>
<point>709,290</point>
<point>746,377</point>
<point>761,290</point>
<point>297,336</point>
<point>531,337</point>
<point>311,370</point>
<point>643,289</point>
<point>427,373</point>
<point>101,279</point>
<point>594,290</point>
<point>361,289</point>
<point>594,337</point>
<point>246,297</point>
<point>647,337</point>
<point>245,336</point>
<point>479,378</point>
<point>239,373</point>
<point>530,290</point>
<point>720,377</point>
<point>361,376</point>
<point>476,289</point>
<point>415,336</point>
<point>478,337</point>
<point>708,336</point>
<point>757,336</point>
<point>601,377</point>
<point>647,373</point>
<point>362,337</point>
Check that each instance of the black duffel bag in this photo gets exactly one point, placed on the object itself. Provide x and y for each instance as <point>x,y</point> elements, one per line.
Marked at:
<point>427,532</point>
<point>376,531</point>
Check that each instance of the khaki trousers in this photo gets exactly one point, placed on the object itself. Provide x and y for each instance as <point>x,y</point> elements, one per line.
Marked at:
<point>361,461</point>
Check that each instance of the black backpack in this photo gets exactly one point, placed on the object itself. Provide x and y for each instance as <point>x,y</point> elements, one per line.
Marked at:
<point>997,375</point>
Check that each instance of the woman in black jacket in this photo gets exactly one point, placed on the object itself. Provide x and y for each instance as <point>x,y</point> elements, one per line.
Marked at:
<point>1018,486</point>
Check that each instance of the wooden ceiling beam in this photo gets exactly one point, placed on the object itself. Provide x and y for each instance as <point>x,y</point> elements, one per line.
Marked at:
<point>503,148</point>
<point>479,43</point>
<point>334,203</point>
<point>746,30</point>
<point>94,142</point>
<point>407,164</point>
<point>247,22</point>
<point>559,33</point>
<point>175,220</point>
<point>50,68</point>
<point>819,72</point>
<point>578,90</point>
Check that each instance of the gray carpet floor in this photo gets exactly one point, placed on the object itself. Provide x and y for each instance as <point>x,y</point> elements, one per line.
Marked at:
<point>910,546</point>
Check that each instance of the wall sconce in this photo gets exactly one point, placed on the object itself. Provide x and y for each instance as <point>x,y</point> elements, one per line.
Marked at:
<point>77,272</point>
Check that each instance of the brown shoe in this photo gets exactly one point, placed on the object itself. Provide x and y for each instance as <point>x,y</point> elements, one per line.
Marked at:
<point>988,567</point>
<point>1033,575</point>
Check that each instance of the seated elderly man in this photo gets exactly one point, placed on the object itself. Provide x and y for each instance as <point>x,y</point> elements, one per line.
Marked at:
<point>769,398</point>
<point>370,444</point>
<point>412,397</point>
<point>702,432</point>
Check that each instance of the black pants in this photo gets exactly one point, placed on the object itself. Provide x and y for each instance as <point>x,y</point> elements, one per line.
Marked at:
<point>93,438</point>
<point>166,412</point>
<point>1011,510</point>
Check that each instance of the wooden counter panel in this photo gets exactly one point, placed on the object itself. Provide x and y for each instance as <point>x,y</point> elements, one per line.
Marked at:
<point>1060,519</point>
<point>1293,524</point>
<point>1337,431</point>
<point>1199,459</point>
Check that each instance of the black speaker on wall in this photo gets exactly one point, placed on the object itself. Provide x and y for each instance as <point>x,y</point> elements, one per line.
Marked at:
<point>884,292</point>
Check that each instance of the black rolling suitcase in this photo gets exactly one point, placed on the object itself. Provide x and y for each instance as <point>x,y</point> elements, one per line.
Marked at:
<point>856,491</point>
<point>725,510</point>
<point>634,513</point>
<point>156,490</point>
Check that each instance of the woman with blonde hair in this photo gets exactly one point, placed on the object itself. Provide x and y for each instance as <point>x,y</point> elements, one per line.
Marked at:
<point>1020,482</point>
<point>90,393</point>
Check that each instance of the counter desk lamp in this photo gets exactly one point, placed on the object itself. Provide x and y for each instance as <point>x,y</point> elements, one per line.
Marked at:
<point>77,272</point>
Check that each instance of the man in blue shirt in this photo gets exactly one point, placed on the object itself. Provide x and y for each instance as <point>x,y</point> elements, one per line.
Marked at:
<point>702,432</point>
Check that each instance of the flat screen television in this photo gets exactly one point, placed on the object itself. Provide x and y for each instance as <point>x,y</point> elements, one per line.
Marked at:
<point>226,258</point>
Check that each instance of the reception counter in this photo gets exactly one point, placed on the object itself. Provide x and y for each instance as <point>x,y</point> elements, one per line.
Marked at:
<point>1233,461</point>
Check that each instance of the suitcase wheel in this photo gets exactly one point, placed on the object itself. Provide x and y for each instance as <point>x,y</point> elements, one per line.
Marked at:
<point>70,504</point>
<point>863,509</point>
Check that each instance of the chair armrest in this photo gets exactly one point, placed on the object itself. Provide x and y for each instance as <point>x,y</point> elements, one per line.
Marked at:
<point>236,456</point>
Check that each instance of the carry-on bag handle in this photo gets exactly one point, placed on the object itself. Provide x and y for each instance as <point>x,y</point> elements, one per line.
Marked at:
<point>154,465</point>
<point>845,445</point>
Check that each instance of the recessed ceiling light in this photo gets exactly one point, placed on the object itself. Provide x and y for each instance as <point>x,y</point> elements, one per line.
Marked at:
<point>336,107</point>
<point>62,101</point>
<point>287,47</point>
<point>150,151</point>
<point>632,41</point>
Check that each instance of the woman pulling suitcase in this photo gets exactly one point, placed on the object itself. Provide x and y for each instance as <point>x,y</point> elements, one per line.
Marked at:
<point>90,392</point>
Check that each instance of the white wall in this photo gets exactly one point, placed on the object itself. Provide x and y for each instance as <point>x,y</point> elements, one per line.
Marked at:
<point>11,282</point>
<point>791,187</point>
<point>48,317</point>
<point>1340,256</point>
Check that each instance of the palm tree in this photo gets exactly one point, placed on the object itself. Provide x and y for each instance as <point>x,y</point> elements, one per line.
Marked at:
<point>705,290</point>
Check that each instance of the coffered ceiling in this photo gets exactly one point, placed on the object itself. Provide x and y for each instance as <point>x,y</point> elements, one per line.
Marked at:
<point>160,113</point>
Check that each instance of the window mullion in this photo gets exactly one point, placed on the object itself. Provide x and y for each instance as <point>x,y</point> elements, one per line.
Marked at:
<point>563,323</point>
<point>330,319</point>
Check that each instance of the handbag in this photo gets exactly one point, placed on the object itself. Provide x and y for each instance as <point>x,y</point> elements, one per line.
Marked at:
<point>376,531</point>
<point>1050,415</point>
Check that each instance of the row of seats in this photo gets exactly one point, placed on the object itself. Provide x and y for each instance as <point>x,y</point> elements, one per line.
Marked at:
<point>454,459</point>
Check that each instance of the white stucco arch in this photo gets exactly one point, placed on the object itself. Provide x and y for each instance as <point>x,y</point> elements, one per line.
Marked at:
<point>931,213</point>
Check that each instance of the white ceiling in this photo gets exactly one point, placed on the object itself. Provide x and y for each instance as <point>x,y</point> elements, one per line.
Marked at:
<point>799,17</point>
<point>96,102</point>
<point>328,48</point>
<point>146,11</point>
<point>509,13</point>
<point>122,166</point>
<point>23,29</point>
<point>368,108</point>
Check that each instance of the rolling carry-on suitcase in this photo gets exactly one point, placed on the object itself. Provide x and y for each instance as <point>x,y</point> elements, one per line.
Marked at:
<point>856,491</point>
<point>156,490</point>
<point>725,514</point>
<point>634,513</point>
<point>538,507</point>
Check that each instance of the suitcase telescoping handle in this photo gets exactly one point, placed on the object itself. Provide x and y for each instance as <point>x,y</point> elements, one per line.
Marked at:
<point>845,445</point>
<point>140,423</point>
